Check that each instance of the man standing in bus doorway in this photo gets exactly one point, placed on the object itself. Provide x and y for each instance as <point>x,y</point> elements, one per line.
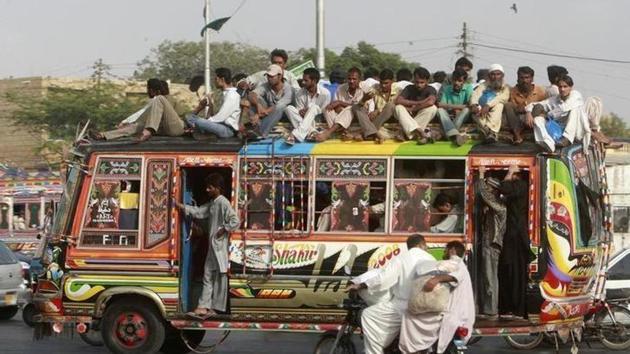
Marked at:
<point>419,332</point>
<point>515,253</point>
<point>381,322</point>
<point>221,220</point>
<point>492,230</point>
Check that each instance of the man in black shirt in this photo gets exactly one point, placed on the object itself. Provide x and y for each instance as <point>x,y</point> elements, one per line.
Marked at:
<point>415,107</point>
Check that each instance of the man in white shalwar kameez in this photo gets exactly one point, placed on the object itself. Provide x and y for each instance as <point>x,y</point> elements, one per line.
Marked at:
<point>419,332</point>
<point>221,220</point>
<point>566,108</point>
<point>381,322</point>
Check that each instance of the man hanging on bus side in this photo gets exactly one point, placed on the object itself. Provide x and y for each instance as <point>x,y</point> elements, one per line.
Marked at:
<point>221,219</point>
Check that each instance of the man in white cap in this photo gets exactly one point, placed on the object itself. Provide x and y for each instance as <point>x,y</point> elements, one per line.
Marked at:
<point>269,100</point>
<point>487,103</point>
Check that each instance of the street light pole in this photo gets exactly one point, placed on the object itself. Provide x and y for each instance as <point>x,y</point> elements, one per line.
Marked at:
<point>206,36</point>
<point>319,40</point>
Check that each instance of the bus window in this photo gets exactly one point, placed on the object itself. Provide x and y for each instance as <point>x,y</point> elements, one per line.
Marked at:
<point>428,196</point>
<point>350,195</point>
<point>111,214</point>
<point>274,195</point>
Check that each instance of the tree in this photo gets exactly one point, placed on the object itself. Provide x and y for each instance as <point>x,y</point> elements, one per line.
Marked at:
<point>181,60</point>
<point>613,126</point>
<point>363,56</point>
<point>60,110</point>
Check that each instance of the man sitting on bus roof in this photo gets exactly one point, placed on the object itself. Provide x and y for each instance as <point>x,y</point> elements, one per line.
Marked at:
<point>403,79</point>
<point>278,57</point>
<point>454,104</point>
<point>487,103</point>
<point>339,113</point>
<point>524,93</point>
<point>269,100</point>
<point>225,123</point>
<point>415,107</point>
<point>310,101</point>
<point>159,118</point>
<point>381,322</point>
<point>383,96</point>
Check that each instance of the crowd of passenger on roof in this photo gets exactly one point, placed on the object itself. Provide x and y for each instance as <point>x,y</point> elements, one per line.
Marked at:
<point>252,106</point>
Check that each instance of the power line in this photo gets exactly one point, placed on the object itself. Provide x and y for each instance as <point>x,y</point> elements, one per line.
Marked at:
<point>408,41</point>
<point>551,54</point>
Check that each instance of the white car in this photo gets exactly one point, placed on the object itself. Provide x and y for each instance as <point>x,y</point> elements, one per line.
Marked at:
<point>618,282</point>
<point>11,283</point>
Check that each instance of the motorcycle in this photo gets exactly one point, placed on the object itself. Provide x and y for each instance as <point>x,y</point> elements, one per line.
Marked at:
<point>341,341</point>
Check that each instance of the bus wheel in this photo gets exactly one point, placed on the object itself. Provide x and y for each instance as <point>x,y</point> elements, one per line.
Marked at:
<point>132,327</point>
<point>525,341</point>
<point>27,314</point>
<point>181,341</point>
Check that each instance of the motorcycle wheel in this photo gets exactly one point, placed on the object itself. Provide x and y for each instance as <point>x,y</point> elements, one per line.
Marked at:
<point>614,336</point>
<point>326,343</point>
<point>526,341</point>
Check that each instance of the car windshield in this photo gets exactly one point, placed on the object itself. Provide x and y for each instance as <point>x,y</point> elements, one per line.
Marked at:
<point>6,256</point>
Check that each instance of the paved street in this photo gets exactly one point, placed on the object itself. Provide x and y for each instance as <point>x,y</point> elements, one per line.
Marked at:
<point>17,338</point>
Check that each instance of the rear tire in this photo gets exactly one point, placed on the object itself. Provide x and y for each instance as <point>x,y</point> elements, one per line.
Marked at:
<point>174,343</point>
<point>132,327</point>
<point>28,312</point>
<point>526,341</point>
<point>325,344</point>
<point>7,313</point>
<point>614,337</point>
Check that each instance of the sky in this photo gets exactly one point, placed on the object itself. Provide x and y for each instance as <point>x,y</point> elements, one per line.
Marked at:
<point>64,37</point>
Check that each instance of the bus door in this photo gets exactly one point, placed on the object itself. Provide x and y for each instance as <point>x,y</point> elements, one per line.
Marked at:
<point>194,232</point>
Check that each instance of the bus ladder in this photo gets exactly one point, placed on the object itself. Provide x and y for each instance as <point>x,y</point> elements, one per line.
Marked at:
<point>600,282</point>
<point>297,228</point>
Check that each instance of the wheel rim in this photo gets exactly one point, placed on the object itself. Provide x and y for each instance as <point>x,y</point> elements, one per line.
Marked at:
<point>131,329</point>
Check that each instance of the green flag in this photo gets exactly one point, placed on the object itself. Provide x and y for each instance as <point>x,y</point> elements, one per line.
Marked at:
<point>215,25</point>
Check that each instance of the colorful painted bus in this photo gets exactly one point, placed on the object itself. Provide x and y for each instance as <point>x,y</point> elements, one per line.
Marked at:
<point>124,261</point>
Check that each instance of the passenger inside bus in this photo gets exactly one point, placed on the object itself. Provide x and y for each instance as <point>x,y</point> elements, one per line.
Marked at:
<point>449,215</point>
<point>128,217</point>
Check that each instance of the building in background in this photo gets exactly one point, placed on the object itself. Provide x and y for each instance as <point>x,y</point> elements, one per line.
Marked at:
<point>618,172</point>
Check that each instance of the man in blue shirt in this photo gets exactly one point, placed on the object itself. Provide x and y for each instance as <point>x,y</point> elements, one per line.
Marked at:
<point>454,103</point>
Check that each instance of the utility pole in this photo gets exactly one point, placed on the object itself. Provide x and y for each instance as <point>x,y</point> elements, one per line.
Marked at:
<point>463,45</point>
<point>206,36</point>
<point>319,36</point>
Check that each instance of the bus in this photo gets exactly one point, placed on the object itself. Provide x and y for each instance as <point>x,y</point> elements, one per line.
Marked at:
<point>122,259</point>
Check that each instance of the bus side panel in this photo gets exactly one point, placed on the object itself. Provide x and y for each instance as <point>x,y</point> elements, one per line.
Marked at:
<point>569,275</point>
<point>309,275</point>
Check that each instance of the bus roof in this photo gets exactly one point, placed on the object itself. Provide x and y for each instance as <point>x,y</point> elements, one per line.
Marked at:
<point>333,147</point>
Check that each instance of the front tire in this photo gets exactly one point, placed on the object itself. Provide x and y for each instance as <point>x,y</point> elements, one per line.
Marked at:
<point>7,313</point>
<point>326,343</point>
<point>132,327</point>
<point>615,337</point>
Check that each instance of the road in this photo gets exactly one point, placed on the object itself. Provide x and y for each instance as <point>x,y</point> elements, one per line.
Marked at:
<point>17,338</point>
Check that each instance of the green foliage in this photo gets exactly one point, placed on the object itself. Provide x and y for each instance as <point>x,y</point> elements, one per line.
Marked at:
<point>363,56</point>
<point>613,126</point>
<point>60,110</point>
<point>179,61</point>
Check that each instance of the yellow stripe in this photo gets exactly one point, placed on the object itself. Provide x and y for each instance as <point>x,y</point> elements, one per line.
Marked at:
<point>338,147</point>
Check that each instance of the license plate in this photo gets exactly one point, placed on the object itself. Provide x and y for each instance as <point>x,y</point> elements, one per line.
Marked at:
<point>10,299</point>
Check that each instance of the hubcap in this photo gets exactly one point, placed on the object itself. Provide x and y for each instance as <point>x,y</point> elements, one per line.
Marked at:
<point>131,329</point>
